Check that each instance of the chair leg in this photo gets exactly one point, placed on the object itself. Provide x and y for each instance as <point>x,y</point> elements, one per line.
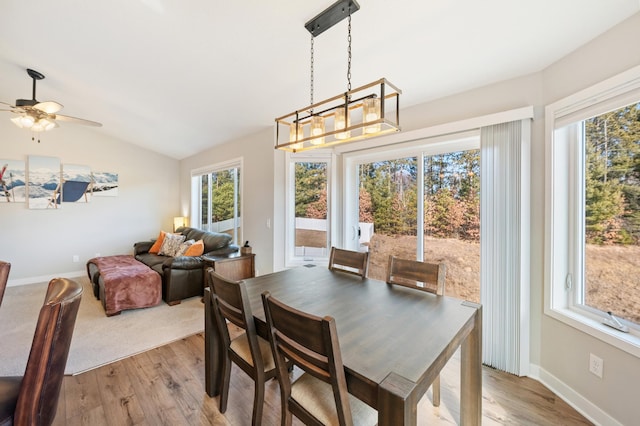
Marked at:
<point>435,390</point>
<point>258,400</point>
<point>226,379</point>
<point>287,419</point>
<point>285,415</point>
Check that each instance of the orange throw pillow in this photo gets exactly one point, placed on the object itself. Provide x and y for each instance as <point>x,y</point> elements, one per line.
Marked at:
<point>195,249</point>
<point>155,248</point>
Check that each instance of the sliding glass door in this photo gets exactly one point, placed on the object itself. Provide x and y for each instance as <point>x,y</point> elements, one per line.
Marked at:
<point>423,206</point>
<point>387,211</point>
<point>452,219</point>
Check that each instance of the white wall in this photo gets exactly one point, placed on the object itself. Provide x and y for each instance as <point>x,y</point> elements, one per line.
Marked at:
<point>564,351</point>
<point>559,354</point>
<point>257,198</point>
<point>40,244</point>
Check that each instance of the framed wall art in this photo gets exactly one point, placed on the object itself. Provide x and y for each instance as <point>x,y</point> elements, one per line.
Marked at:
<point>44,182</point>
<point>105,184</point>
<point>13,183</point>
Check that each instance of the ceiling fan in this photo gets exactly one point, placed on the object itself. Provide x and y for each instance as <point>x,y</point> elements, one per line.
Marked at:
<point>40,116</point>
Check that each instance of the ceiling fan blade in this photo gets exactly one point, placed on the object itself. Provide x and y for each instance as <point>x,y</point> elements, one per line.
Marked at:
<point>78,120</point>
<point>50,107</point>
<point>4,103</point>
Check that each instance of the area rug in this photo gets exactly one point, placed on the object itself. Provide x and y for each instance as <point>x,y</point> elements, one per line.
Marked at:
<point>97,339</point>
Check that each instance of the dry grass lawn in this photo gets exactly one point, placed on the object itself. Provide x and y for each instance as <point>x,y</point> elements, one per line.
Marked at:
<point>612,271</point>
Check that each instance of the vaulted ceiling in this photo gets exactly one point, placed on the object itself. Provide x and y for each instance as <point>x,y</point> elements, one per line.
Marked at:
<point>179,77</point>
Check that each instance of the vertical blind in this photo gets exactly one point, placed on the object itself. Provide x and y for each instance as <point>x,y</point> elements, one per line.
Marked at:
<point>504,245</point>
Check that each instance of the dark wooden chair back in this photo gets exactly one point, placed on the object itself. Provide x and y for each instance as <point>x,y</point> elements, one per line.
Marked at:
<point>423,276</point>
<point>415,274</point>
<point>251,353</point>
<point>230,299</point>
<point>311,343</point>
<point>353,262</point>
<point>5,267</point>
<point>34,396</point>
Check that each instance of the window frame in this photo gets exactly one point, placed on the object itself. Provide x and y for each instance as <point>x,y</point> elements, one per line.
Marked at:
<point>196,194</point>
<point>319,156</point>
<point>460,141</point>
<point>564,206</point>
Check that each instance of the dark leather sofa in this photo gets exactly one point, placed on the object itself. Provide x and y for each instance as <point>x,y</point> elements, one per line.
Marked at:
<point>183,276</point>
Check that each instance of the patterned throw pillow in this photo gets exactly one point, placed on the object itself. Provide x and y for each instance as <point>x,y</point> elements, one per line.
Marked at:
<point>171,244</point>
<point>184,247</point>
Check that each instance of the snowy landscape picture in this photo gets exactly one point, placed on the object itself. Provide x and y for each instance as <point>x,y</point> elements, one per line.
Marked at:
<point>44,179</point>
<point>13,183</point>
<point>105,184</point>
<point>77,183</point>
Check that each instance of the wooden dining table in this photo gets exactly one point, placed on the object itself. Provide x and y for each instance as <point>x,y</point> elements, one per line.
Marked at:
<point>394,340</point>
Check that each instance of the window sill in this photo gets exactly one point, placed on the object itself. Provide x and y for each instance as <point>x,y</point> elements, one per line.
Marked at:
<point>628,342</point>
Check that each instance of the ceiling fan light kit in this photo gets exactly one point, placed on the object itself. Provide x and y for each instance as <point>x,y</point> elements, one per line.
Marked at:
<point>367,111</point>
<point>40,116</point>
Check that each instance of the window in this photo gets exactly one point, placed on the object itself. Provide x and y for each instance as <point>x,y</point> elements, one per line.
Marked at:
<point>391,213</point>
<point>309,231</point>
<point>216,199</point>
<point>612,212</point>
<point>593,210</point>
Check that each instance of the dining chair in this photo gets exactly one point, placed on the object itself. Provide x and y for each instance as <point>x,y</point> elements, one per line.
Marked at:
<point>319,396</point>
<point>5,267</point>
<point>353,262</point>
<point>248,351</point>
<point>32,399</point>
<point>423,276</point>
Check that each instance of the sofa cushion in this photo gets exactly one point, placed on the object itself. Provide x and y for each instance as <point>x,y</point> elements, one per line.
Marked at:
<point>196,249</point>
<point>155,248</point>
<point>184,247</point>
<point>171,244</point>
<point>212,240</point>
<point>151,259</point>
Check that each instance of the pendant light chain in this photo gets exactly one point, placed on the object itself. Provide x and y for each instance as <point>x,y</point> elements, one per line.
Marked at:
<point>351,115</point>
<point>311,88</point>
<point>349,53</point>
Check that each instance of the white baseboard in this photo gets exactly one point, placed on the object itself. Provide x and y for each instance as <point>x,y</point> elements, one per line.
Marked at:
<point>44,278</point>
<point>582,405</point>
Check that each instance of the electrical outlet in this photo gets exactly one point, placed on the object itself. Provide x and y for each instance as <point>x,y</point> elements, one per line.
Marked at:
<point>596,365</point>
<point>76,258</point>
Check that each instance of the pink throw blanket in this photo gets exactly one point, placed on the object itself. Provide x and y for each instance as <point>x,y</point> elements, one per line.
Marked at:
<point>128,284</point>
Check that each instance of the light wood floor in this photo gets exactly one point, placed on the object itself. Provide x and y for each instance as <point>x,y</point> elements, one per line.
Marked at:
<point>165,386</point>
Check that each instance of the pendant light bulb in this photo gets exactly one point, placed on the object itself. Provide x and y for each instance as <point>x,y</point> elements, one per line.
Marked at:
<point>317,128</point>
<point>341,121</point>
<point>371,107</point>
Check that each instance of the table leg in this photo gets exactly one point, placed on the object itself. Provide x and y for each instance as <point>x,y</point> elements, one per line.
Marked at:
<point>471,374</point>
<point>397,404</point>
<point>212,355</point>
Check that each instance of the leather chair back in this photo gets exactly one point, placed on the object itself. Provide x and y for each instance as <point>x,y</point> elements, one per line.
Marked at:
<point>4,277</point>
<point>39,389</point>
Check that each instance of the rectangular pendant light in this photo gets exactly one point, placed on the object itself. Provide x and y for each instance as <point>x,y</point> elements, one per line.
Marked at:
<point>368,111</point>
<point>371,110</point>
